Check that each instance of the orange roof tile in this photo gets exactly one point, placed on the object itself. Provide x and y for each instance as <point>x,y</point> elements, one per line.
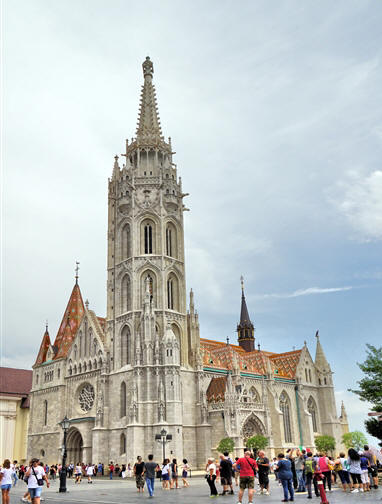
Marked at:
<point>285,363</point>
<point>216,389</point>
<point>45,344</point>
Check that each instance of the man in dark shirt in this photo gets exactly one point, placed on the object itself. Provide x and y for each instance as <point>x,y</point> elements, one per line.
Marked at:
<point>225,473</point>
<point>149,471</point>
<point>263,468</point>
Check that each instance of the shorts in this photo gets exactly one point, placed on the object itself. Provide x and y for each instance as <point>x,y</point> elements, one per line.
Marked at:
<point>226,480</point>
<point>184,474</point>
<point>247,482</point>
<point>356,478</point>
<point>263,479</point>
<point>344,477</point>
<point>6,487</point>
<point>365,477</point>
<point>35,492</point>
<point>373,471</point>
<point>165,477</point>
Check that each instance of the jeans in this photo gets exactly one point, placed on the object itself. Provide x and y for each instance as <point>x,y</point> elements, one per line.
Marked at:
<point>15,479</point>
<point>309,478</point>
<point>287,485</point>
<point>111,475</point>
<point>300,479</point>
<point>150,486</point>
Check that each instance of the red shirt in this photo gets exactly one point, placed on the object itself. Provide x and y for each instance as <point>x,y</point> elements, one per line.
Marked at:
<point>247,466</point>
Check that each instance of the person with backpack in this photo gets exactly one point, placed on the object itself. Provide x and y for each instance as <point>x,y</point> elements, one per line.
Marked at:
<point>341,467</point>
<point>309,467</point>
<point>248,468</point>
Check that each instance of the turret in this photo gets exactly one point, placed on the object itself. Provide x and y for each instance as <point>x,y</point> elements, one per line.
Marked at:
<point>245,328</point>
<point>322,365</point>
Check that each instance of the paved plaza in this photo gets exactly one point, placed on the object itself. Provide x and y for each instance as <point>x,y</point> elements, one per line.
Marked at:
<point>104,491</point>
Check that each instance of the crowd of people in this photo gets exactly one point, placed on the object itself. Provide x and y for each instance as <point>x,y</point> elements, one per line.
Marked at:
<point>295,472</point>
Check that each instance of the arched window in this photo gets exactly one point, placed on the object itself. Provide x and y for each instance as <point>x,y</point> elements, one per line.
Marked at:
<point>170,294</point>
<point>125,346</point>
<point>152,284</point>
<point>45,413</point>
<point>285,409</point>
<point>80,344</point>
<point>125,242</point>
<point>148,237</point>
<point>125,294</point>
<point>254,395</point>
<point>169,241</point>
<point>306,374</point>
<point>312,408</point>
<point>123,400</point>
<point>36,379</point>
<point>75,351</point>
<point>89,343</point>
<point>325,381</point>
<point>122,444</point>
<point>310,376</point>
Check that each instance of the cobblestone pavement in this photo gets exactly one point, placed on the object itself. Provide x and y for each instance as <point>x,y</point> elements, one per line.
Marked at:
<point>104,491</point>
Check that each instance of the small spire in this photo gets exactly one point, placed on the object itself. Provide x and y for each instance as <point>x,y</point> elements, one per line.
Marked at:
<point>317,334</point>
<point>77,270</point>
<point>227,340</point>
<point>258,347</point>
<point>148,127</point>
<point>87,304</point>
<point>305,344</point>
<point>46,325</point>
<point>242,284</point>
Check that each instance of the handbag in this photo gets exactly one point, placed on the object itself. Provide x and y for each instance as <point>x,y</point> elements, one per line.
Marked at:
<point>40,481</point>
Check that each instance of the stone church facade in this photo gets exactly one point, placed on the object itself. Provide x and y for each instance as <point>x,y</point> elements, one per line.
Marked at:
<point>122,379</point>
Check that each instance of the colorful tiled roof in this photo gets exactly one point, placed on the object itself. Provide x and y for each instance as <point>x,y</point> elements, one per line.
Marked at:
<point>45,344</point>
<point>70,322</point>
<point>216,389</point>
<point>219,355</point>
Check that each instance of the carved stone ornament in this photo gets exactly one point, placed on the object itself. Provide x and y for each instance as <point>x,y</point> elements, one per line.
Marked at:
<point>86,397</point>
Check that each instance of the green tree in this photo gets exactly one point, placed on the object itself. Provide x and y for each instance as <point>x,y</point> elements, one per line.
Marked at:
<point>258,442</point>
<point>325,443</point>
<point>226,444</point>
<point>370,387</point>
<point>374,428</point>
<point>355,440</point>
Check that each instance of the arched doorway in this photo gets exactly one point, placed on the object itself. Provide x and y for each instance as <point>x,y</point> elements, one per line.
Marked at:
<point>74,445</point>
<point>252,427</point>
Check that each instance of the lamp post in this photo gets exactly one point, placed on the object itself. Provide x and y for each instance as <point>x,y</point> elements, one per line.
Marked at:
<point>65,424</point>
<point>163,438</point>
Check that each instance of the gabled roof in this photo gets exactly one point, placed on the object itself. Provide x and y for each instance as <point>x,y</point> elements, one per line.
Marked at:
<point>70,322</point>
<point>216,389</point>
<point>285,364</point>
<point>44,347</point>
<point>15,382</point>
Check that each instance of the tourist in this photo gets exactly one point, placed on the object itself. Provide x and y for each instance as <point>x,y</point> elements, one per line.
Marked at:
<point>99,468</point>
<point>52,472</point>
<point>354,461</point>
<point>174,474</point>
<point>225,473</point>
<point>78,473</point>
<point>364,461</point>
<point>166,474</point>
<point>6,474</point>
<point>264,467</point>
<point>248,467</point>
<point>15,469</point>
<point>341,467</point>
<point>111,470</point>
<point>299,466</point>
<point>236,472</point>
<point>324,462</point>
<point>149,470</point>
<point>373,471</point>
<point>129,470</point>
<point>139,468</point>
<point>185,469</point>
<point>123,471</point>
<point>309,467</point>
<point>211,476</point>
<point>90,472</point>
<point>36,476</point>
<point>284,471</point>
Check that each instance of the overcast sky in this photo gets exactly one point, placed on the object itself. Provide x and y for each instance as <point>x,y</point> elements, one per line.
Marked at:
<point>274,109</point>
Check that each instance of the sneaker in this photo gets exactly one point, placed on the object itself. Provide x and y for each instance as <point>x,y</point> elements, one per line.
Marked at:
<point>361,489</point>
<point>355,490</point>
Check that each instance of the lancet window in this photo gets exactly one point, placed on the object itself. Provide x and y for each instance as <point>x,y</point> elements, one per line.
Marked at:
<point>122,444</point>
<point>45,412</point>
<point>285,409</point>
<point>125,242</point>
<point>125,346</point>
<point>148,237</point>
<point>123,401</point>
<point>125,294</point>
<point>170,294</point>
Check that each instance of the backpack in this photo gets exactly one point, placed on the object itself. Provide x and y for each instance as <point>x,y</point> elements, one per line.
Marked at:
<point>309,466</point>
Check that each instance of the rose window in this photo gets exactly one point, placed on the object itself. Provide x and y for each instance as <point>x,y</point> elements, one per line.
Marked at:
<point>86,397</point>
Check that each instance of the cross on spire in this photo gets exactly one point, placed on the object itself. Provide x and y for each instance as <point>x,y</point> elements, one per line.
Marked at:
<point>77,270</point>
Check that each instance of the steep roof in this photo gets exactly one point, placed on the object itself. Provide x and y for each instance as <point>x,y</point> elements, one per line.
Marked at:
<point>285,364</point>
<point>320,359</point>
<point>216,389</point>
<point>45,344</point>
<point>15,382</point>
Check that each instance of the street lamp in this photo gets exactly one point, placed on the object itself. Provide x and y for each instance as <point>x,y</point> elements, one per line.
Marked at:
<point>163,438</point>
<point>65,424</point>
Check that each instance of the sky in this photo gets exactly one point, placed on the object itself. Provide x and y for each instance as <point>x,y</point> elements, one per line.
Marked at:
<point>275,113</point>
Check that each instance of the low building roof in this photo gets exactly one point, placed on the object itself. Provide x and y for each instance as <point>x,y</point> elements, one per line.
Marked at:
<point>15,382</point>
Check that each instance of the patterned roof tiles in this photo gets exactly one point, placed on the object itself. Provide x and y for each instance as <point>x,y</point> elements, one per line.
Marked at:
<point>45,344</point>
<point>216,389</point>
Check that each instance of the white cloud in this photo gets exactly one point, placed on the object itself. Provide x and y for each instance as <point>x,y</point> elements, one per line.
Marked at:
<point>361,204</point>
<point>307,292</point>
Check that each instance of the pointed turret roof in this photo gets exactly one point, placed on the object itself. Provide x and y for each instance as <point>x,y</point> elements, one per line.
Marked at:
<point>245,321</point>
<point>320,359</point>
<point>148,118</point>
<point>44,347</point>
<point>70,322</point>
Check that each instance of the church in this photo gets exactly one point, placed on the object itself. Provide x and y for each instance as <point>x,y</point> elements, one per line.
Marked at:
<point>123,379</point>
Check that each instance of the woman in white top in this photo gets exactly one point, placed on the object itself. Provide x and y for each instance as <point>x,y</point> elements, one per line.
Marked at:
<point>185,469</point>
<point>36,475</point>
<point>166,474</point>
<point>90,473</point>
<point>78,473</point>
<point>6,481</point>
<point>211,476</point>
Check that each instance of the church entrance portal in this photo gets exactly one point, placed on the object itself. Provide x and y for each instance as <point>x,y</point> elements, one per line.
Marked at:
<point>74,445</point>
<point>252,427</point>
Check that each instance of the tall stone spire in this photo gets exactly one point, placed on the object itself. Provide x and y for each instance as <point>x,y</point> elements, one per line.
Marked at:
<point>148,128</point>
<point>320,359</point>
<point>245,328</point>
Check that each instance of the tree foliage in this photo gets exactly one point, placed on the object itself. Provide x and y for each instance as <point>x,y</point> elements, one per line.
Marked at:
<point>370,387</point>
<point>356,440</point>
<point>325,443</point>
<point>258,442</point>
<point>226,445</point>
<point>374,428</point>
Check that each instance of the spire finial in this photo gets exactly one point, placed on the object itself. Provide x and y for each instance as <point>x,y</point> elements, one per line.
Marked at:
<point>148,67</point>
<point>87,304</point>
<point>242,283</point>
<point>46,325</point>
<point>227,340</point>
<point>77,270</point>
